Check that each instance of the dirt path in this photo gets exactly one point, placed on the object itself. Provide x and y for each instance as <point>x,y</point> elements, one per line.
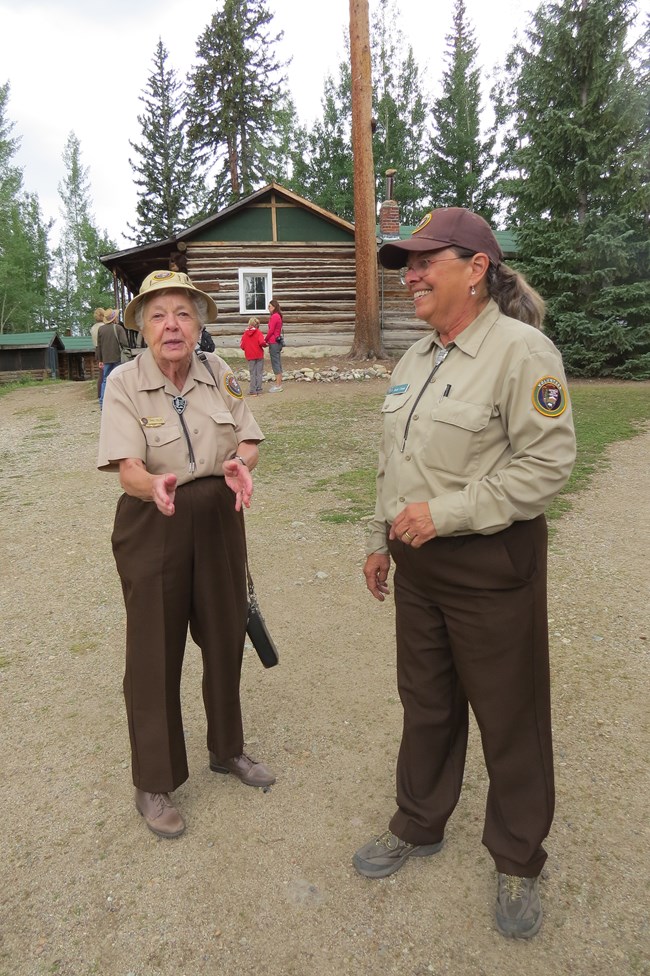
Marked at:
<point>262,882</point>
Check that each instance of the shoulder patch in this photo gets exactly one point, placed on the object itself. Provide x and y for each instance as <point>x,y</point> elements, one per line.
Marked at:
<point>549,397</point>
<point>232,386</point>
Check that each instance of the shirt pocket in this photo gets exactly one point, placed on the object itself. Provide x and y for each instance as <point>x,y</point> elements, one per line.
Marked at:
<point>227,440</point>
<point>395,411</point>
<point>159,437</point>
<point>165,449</point>
<point>457,437</point>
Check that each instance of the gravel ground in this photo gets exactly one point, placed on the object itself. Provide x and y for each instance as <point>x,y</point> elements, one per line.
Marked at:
<point>261,883</point>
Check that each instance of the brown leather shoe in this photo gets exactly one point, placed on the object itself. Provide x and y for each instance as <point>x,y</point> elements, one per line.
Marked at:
<point>160,814</point>
<point>246,769</point>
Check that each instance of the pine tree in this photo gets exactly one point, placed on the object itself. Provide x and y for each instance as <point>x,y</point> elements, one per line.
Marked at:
<point>322,163</point>
<point>462,158</point>
<point>82,282</point>
<point>400,111</point>
<point>234,93</point>
<point>24,258</point>
<point>168,189</point>
<point>277,155</point>
<point>578,187</point>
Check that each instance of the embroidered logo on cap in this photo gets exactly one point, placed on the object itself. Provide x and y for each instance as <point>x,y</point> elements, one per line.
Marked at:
<point>549,397</point>
<point>233,386</point>
<point>162,275</point>
<point>423,223</point>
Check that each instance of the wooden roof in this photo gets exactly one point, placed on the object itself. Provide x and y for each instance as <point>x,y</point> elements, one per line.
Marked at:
<point>78,344</point>
<point>30,340</point>
<point>43,340</point>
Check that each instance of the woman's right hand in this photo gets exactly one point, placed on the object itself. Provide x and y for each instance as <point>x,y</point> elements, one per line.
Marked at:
<point>163,493</point>
<point>376,573</point>
<point>157,488</point>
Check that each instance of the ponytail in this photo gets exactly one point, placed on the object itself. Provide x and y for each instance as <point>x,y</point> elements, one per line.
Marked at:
<point>514,296</point>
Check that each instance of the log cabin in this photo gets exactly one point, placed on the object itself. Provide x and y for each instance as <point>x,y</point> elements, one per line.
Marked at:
<point>276,244</point>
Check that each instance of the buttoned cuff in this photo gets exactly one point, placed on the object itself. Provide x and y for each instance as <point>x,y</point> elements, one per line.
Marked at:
<point>449,515</point>
<point>376,541</point>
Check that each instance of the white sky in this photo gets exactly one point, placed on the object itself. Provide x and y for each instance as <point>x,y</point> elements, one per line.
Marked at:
<point>81,65</point>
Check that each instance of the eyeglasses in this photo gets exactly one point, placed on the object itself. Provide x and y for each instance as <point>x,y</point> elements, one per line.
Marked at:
<point>422,265</point>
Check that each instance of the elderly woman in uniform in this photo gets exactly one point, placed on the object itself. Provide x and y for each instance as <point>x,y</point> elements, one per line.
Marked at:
<point>478,439</point>
<point>184,443</point>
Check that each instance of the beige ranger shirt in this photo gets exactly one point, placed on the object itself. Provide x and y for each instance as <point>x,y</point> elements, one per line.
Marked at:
<point>490,442</point>
<point>139,420</point>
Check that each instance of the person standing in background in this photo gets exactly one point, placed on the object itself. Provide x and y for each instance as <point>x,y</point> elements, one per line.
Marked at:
<point>98,316</point>
<point>111,339</point>
<point>275,342</point>
<point>253,344</point>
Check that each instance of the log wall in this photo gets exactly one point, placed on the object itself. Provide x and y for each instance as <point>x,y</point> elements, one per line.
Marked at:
<point>315,284</point>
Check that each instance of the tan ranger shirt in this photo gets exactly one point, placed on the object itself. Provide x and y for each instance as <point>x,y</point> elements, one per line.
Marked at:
<point>139,420</point>
<point>491,440</point>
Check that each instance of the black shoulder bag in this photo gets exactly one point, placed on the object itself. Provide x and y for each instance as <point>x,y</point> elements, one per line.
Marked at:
<point>257,629</point>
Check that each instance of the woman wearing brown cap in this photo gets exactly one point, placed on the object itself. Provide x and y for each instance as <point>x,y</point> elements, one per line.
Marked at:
<point>478,439</point>
<point>184,444</point>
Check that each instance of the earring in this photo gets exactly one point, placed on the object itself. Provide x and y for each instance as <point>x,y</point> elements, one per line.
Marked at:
<point>472,290</point>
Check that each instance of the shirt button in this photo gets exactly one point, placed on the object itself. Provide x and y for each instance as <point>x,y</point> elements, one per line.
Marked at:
<point>402,499</point>
<point>196,430</point>
<point>157,440</point>
<point>416,416</point>
<point>408,457</point>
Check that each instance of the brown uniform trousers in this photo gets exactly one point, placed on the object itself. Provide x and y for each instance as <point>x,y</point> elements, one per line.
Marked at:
<point>185,569</point>
<point>471,622</point>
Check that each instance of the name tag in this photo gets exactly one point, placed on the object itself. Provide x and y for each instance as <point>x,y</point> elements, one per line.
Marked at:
<point>398,389</point>
<point>152,421</point>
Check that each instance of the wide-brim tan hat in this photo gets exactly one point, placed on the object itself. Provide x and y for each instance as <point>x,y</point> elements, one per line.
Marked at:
<point>111,315</point>
<point>157,281</point>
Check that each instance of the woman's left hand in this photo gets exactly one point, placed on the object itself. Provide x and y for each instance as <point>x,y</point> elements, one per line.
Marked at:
<point>413,525</point>
<point>239,480</point>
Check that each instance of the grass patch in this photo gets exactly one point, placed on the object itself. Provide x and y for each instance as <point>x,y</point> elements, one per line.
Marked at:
<point>356,491</point>
<point>604,413</point>
<point>83,646</point>
<point>6,388</point>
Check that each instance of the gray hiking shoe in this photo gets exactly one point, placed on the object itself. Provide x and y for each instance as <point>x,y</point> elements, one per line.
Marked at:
<point>519,908</point>
<point>386,854</point>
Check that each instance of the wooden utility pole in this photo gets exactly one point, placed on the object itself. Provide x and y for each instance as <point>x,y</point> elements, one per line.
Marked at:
<point>367,333</point>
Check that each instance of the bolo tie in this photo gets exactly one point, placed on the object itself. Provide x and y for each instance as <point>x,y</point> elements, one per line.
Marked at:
<point>441,355</point>
<point>179,403</point>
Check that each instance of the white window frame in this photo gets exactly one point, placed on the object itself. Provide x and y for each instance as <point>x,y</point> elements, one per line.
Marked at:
<point>265,273</point>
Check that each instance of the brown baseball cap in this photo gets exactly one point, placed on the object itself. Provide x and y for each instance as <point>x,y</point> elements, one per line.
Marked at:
<point>158,280</point>
<point>447,227</point>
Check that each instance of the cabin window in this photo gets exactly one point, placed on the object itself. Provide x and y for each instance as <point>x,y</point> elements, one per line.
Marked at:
<point>255,290</point>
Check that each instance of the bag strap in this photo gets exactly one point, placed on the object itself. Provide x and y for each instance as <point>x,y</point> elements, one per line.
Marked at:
<point>127,346</point>
<point>252,598</point>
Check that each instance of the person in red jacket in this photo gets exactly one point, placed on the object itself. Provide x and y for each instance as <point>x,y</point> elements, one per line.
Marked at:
<point>253,344</point>
<point>275,342</point>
